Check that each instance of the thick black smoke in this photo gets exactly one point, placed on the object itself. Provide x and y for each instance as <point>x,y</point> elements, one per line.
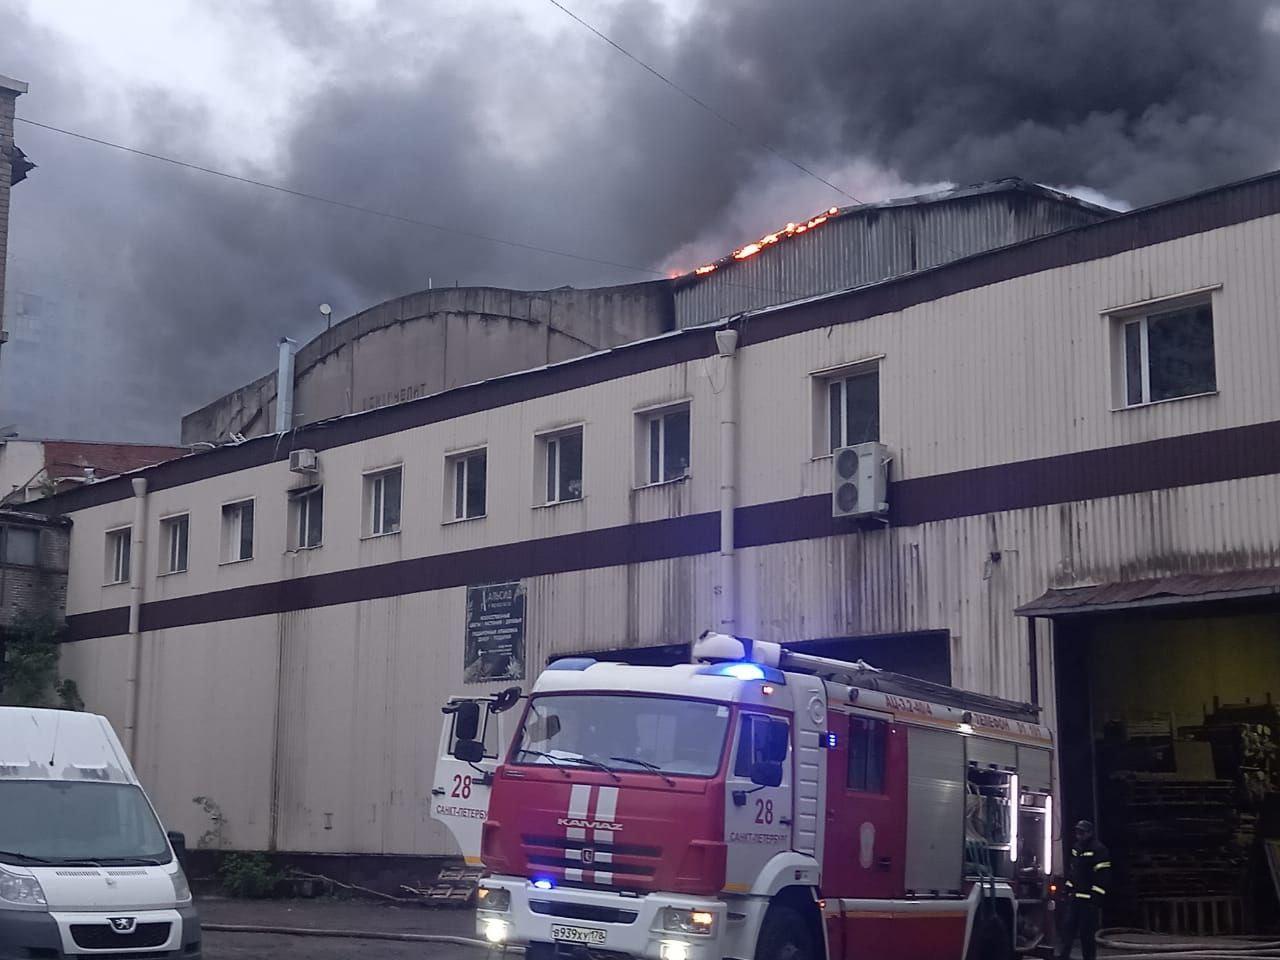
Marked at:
<point>160,288</point>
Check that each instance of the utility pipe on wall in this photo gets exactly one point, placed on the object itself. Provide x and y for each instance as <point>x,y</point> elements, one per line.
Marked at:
<point>284,386</point>
<point>727,614</point>
<point>137,572</point>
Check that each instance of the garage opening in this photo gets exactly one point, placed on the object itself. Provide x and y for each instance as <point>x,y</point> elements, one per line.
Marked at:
<point>1169,738</point>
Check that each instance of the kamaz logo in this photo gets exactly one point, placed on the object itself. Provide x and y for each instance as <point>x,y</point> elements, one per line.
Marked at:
<point>588,824</point>
<point>122,924</point>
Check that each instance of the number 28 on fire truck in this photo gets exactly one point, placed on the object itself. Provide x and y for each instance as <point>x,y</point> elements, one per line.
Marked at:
<point>760,804</point>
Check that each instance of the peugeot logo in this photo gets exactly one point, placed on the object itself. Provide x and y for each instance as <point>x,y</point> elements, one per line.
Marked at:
<point>588,855</point>
<point>122,924</point>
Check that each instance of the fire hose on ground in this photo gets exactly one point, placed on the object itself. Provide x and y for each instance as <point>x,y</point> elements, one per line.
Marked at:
<point>1137,944</point>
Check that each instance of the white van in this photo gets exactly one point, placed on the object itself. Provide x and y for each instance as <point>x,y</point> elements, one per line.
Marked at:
<point>85,867</point>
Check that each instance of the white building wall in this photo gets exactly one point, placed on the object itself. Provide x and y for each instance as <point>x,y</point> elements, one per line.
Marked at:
<point>1009,372</point>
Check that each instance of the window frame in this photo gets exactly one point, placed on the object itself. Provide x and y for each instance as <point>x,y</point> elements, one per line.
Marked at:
<point>114,536</point>
<point>821,383</point>
<point>1140,315</point>
<point>171,542</point>
<point>645,422</point>
<point>549,444</point>
<point>225,558</point>
<point>6,533</point>
<point>374,502</point>
<point>300,509</point>
<point>459,460</point>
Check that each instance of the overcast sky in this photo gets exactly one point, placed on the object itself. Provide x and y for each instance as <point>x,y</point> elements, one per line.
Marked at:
<point>139,291</point>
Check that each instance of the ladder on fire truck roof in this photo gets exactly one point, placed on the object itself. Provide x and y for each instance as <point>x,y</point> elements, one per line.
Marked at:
<point>860,674</point>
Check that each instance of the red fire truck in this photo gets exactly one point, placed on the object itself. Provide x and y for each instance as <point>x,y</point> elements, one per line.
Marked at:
<point>760,804</point>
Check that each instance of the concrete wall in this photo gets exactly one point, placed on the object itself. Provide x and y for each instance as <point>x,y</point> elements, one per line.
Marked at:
<point>10,90</point>
<point>327,714</point>
<point>433,341</point>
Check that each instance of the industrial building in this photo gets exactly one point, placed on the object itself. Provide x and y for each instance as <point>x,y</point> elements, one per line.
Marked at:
<point>437,339</point>
<point>1072,498</point>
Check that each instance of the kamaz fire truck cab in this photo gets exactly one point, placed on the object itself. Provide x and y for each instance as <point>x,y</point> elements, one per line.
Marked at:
<point>763,804</point>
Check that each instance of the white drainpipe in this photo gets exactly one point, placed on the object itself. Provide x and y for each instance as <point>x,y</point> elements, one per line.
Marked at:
<point>137,586</point>
<point>284,387</point>
<point>727,345</point>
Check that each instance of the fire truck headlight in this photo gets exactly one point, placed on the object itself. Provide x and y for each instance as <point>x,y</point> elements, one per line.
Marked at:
<point>493,898</point>
<point>675,950</point>
<point>495,931</point>
<point>688,921</point>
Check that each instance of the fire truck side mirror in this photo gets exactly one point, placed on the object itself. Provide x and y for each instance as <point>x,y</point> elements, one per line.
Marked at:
<point>765,773</point>
<point>466,721</point>
<point>468,751</point>
<point>776,737</point>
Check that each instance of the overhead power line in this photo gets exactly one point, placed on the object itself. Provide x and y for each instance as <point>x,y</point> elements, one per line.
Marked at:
<point>723,118</point>
<point>333,202</point>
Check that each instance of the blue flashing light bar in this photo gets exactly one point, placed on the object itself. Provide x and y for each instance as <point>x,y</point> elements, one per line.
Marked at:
<point>745,670</point>
<point>571,663</point>
<point>543,883</point>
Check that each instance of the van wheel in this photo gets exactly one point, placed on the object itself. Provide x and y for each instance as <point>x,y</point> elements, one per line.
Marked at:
<point>784,936</point>
<point>991,939</point>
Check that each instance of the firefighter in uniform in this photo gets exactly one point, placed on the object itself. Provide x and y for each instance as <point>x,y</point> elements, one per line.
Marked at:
<point>1087,877</point>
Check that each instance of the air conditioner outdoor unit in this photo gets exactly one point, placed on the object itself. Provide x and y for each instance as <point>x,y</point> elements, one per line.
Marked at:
<point>860,481</point>
<point>303,461</point>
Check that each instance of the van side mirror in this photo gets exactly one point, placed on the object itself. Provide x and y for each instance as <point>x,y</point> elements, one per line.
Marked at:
<point>766,774</point>
<point>469,751</point>
<point>466,720</point>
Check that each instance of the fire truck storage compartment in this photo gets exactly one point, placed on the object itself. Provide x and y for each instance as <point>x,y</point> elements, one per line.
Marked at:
<point>935,805</point>
<point>1169,737</point>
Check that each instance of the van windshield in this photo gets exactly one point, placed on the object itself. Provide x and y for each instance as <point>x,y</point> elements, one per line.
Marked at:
<point>624,732</point>
<point>63,821</point>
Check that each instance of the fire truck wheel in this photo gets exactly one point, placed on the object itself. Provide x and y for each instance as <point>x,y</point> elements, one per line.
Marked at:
<point>784,936</point>
<point>991,938</point>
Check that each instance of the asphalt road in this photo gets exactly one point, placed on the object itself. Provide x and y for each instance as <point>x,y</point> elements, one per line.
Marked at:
<point>259,946</point>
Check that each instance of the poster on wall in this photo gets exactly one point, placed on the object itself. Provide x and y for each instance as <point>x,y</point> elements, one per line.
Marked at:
<point>495,633</point>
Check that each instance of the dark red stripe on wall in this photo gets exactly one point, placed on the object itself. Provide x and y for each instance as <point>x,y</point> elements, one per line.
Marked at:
<point>1219,455</point>
<point>1220,207</point>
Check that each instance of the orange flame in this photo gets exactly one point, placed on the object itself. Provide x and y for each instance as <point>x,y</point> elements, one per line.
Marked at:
<point>791,229</point>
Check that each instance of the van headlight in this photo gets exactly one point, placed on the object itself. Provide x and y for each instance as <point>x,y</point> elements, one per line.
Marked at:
<point>181,889</point>
<point>21,890</point>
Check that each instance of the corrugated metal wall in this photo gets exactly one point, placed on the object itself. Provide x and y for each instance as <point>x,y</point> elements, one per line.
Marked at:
<point>319,728</point>
<point>860,247</point>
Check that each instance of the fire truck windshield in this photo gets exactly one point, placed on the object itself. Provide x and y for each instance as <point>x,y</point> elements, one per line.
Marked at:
<point>662,735</point>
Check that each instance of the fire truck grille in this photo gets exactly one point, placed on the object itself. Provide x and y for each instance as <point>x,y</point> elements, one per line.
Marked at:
<point>617,849</point>
<point>565,863</point>
<point>582,911</point>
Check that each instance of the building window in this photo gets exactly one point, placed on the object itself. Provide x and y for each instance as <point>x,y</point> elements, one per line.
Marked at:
<point>1168,355</point>
<point>562,460</point>
<point>237,531</point>
<point>382,502</point>
<point>173,541</point>
<point>306,518</point>
<point>867,739</point>
<point>853,407</point>
<point>20,545</point>
<point>468,476</point>
<point>666,444</point>
<point>119,547</point>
